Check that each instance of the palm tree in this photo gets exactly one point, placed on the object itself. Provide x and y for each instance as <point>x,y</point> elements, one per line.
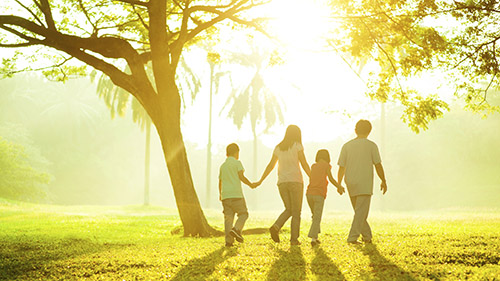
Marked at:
<point>254,99</point>
<point>68,106</point>
<point>118,100</point>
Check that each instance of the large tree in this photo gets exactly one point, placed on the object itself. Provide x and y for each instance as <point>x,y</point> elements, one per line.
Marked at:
<point>405,41</point>
<point>118,100</point>
<point>106,34</point>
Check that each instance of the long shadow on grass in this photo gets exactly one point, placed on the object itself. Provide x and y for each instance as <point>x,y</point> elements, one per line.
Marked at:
<point>202,268</point>
<point>323,267</point>
<point>20,257</point>
<point>289,266</point>
<point>382,268</point>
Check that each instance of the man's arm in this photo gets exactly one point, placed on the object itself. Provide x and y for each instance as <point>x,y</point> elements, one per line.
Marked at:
<point>303,162</point>
<point>220,189</point>
<point>381,175</point>
<point>340,174</point>
<point>339,187</point>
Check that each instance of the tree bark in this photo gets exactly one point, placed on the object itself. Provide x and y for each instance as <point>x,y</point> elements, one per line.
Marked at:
<point>167,120</point>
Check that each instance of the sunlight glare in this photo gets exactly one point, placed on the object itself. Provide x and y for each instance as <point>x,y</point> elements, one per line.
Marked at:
<point>297,24</point>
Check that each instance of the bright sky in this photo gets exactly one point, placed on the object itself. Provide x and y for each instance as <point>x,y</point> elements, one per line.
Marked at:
<point>326,98</point>
<point>326,89</point>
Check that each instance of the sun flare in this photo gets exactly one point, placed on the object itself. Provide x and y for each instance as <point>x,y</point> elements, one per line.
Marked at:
<point>299,25</point>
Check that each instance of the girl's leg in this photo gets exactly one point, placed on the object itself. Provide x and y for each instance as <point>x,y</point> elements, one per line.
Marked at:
<point>317,211</point>
<point>287,201</point>
<point>310,202</point>
<point>296,195</point>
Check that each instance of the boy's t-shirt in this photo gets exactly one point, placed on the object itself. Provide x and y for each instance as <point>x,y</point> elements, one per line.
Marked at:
<point>288,164</point>
<point>228,174</point>
<point>358,157</point>
<point>318,182</point>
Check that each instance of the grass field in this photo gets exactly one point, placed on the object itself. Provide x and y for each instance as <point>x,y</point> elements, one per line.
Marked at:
<point>135,243</point>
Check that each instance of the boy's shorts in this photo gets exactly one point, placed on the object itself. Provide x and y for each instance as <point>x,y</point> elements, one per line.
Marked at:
<point>234,205</point>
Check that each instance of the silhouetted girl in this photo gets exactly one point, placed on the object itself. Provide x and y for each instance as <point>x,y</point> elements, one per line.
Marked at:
<point>321,172</point>
<point>289,154</point>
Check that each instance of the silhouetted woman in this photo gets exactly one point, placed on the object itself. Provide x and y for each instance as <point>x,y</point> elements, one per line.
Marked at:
<point>289,154</point>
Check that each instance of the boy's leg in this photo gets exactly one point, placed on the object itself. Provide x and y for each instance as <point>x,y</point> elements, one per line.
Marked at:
<point>316,202</point>
<point>228,219</point>
<point>240,207</point>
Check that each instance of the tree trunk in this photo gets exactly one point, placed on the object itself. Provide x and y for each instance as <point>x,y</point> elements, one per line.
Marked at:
<point>147,162</point>
<point>167,121</point>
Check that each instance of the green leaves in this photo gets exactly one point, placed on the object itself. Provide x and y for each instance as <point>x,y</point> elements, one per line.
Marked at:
<point>405,39</point>
<point>420,111</point>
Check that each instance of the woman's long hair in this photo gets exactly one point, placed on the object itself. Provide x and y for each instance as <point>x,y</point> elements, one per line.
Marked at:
<point>292,135</point>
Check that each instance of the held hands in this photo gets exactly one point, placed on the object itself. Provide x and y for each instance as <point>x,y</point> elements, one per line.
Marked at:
<point>340,189</point>
<point>383,187</point>
<point>254,185</point>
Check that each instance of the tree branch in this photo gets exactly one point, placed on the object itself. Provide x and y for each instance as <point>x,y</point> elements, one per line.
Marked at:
<point>222,15</point>
<point>387,55</point>
<point>136,2</point>
<point>31,12</point>
<point>94,27</point>
<point>106,46</point>
<point>27,44</point>
<point>47,12</point>
<point>19,34</point>
<point>42,68</point>
<point>140,18</point>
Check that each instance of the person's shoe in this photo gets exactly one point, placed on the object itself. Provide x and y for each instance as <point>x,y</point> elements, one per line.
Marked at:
<point>236,234</point>
<point>355,242</point>
<point>295,243</point>
<point>369,241</point>
<point>317,241</point>
<point>229,245</point>
<point>314,243</point>
<point>274,234</point>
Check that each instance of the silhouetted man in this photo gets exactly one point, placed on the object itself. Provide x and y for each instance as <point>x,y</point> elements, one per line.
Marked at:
<point>356,161</point>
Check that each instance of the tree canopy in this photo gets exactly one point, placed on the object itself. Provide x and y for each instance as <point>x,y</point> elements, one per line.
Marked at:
<point>452,40</point>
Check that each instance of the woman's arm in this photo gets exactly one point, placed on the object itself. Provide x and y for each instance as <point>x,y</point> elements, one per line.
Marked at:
<point>269,168</point>
<point>303,162</point>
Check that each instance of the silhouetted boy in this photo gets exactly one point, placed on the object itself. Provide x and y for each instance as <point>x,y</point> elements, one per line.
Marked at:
<point>231,195</point>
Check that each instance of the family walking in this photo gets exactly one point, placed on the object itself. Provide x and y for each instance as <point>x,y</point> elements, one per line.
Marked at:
<point>356,161</point>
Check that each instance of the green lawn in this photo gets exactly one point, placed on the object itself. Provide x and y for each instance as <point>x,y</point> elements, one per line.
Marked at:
<point>129,243</point>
